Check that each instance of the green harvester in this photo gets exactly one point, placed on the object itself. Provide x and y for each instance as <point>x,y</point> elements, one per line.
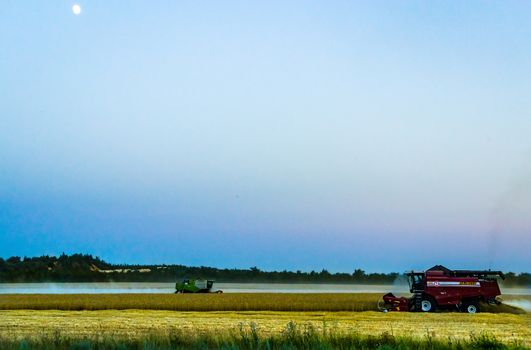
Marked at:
<point>195,286</point>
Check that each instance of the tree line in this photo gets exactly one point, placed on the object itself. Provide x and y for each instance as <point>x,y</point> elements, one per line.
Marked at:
<point>86,268</point>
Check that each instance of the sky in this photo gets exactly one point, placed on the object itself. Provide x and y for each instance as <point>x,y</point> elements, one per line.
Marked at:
<point>294,135</point>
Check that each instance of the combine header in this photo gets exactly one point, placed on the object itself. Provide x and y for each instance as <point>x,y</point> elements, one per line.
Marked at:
<point>442,288</point>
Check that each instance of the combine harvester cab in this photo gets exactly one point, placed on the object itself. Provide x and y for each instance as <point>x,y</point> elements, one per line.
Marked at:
<point>195,286</point>
<point>442,288</point>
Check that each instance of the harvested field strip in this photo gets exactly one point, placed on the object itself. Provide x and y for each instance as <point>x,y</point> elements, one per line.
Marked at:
<point>137,323</point>
<point>205,302</point>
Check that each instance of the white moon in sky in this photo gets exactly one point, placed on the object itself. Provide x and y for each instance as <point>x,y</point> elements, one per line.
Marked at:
<point>76,9</point>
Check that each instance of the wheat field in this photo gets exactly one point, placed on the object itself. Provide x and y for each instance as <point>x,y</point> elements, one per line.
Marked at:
<point>206,302</point>
<point>136,323</point>
<point>188,321</point>
<point>194,302</point>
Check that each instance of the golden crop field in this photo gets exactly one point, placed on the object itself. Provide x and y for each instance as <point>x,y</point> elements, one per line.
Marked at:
<point>206,302</point>
<point>136,323</point>
<point>194,302</point>
<point>113,320</point>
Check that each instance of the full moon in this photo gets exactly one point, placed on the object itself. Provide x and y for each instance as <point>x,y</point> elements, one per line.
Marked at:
<point>76,9</point>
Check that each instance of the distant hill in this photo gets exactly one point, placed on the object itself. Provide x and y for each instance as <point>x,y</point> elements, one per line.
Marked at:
<point>86,268</point>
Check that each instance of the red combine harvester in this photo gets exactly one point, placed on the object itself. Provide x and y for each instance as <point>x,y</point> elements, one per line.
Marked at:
<point>442,288</point>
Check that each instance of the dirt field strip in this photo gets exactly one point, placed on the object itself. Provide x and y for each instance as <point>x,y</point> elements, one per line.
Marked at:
<point>131,323</point>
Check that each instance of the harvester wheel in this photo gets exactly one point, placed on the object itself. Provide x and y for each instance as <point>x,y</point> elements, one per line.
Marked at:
<point>381,305</point>
<point>470,307</point>
<point>219,291</point>
<point>427,305</point>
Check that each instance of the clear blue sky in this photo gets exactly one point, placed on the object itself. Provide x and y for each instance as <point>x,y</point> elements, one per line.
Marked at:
<point>282,134</point>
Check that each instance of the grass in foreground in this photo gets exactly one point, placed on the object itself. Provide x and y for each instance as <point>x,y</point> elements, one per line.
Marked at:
<point>291,337</point>
<point>206,302</point>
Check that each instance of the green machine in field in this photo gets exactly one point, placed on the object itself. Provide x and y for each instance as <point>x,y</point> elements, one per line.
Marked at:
<point>195,286</point>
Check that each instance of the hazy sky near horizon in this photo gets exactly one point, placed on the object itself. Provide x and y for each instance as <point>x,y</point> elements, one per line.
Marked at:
<point>282,134</point>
